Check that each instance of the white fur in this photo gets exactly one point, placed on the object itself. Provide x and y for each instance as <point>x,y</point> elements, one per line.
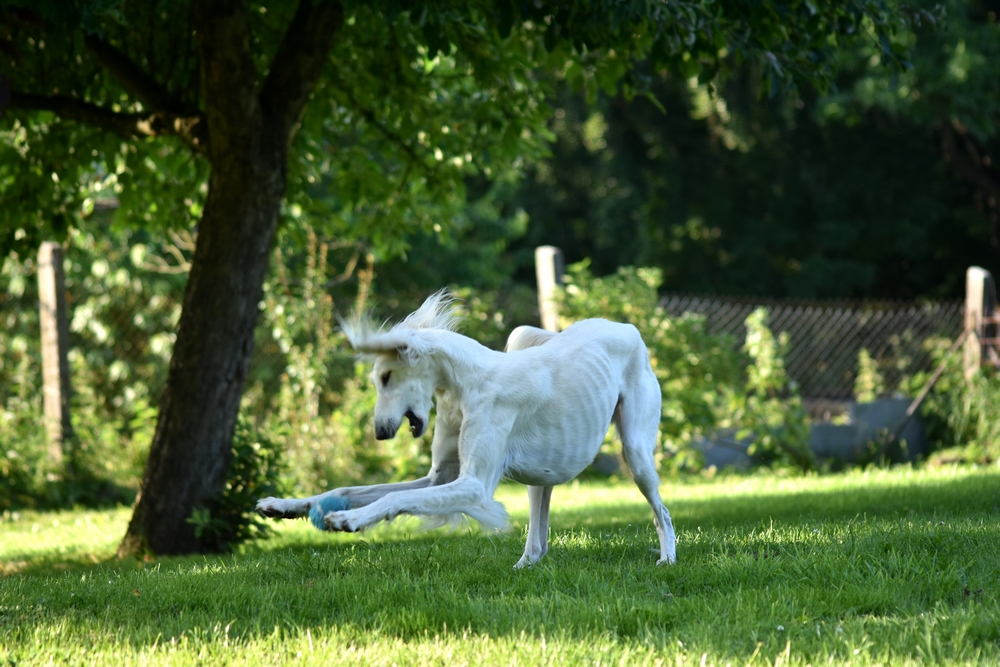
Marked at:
<point>536,414</point>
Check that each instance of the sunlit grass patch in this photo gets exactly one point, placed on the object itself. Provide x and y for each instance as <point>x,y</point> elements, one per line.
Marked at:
<point>891,567</point>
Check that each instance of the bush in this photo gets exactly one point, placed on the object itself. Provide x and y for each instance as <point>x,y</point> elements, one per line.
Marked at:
<point>121,313</point>
<point>961,417</point>
<point>254,473</point>
<point>769,408</point>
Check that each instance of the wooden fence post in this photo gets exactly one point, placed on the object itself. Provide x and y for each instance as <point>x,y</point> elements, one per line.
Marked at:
<point>549,272</point>
<point>55,348</point>
<point>980,303</point>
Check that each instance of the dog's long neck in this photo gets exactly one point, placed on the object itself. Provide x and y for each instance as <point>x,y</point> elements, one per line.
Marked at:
<point>462,361</point>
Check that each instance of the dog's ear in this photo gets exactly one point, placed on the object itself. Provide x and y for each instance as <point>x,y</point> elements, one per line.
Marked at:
<point>411,352</point>
<point>404,354</point>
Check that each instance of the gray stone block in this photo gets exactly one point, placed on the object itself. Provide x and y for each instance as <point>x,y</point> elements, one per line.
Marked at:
<point>606,464</point>
<point>848,443</point>
<point>875,421</point>
<point>725,450</point>
<point>835,441</point>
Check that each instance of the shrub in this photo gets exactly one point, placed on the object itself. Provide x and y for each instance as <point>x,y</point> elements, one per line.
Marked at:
<point>254,473</point>
<point>769,408</point>
<point>121,313</point>
<point>869,383</point>
<point>961,418</point>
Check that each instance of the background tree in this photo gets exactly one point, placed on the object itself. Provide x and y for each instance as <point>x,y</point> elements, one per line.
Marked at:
<point>951,93</point>
<point>360,119</point>
<point>884,187</point>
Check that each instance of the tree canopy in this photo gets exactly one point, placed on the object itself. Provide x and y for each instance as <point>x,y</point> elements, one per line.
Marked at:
<point>110,95</point>
<point>881,187</point>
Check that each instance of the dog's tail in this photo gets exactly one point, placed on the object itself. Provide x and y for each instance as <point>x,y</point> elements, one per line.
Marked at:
<point>524,337</point>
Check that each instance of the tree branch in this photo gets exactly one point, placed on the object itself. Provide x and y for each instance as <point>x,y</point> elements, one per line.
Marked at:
<point>393,138</point>
<point>146,88</point>
<point>299,61</point>
<point>978,172</point>
<point>190,129</point>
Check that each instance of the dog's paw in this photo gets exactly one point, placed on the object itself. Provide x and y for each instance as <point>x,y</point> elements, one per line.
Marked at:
<point>282,508</point>
<point>342,522</point>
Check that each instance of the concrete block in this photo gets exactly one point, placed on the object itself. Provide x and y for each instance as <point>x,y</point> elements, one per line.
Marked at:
<point>606,464</point>
<point>875,421</point>
<point>725,450</point>
<point>848,443</point>
<point>835,441</point>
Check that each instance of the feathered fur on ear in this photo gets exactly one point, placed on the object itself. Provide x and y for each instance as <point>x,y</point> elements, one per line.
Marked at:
<point>372,339</point>
<point>405,354</point>
<point>411,352</point>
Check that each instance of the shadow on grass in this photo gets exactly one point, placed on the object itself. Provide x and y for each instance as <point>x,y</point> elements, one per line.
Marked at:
<point>83,488</point>
<point>598,578</point>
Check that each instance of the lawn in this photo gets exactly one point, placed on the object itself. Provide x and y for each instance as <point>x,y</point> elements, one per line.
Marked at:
<point>879,567</point>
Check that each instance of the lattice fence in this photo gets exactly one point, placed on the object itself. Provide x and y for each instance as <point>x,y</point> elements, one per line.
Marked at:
<point>825,338</point>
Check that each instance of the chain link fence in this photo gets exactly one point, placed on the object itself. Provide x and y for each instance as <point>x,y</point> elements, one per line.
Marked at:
<point>825,338</point>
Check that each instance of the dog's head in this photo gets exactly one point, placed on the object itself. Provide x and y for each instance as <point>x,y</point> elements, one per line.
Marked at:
<point>404,386</point>
<point>405,374</point>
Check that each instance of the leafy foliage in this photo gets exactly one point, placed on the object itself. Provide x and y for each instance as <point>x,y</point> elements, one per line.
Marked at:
<point>960,415</point>
<point>253,474</point>
<point>885,186</point>
<point>122,313</point>
<point>414,99</point>
<point>23,465</point>
<point>869,383</point>
<point>728,194</point>
<point>769,408</point>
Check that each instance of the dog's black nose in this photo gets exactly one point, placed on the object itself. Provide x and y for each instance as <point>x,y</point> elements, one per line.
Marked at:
<point>385,431</point>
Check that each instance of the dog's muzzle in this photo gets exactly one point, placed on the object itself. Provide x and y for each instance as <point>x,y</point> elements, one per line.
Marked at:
<point>388,430</point>
<point>385,431</point>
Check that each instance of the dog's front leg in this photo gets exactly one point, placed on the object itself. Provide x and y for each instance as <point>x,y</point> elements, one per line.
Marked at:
<point>538,525</point>
<point>356,496</point>
<point>464,495</point>
<point>285,508</point>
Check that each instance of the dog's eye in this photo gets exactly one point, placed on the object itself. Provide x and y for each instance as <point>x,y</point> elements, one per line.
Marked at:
<point>385,377</point>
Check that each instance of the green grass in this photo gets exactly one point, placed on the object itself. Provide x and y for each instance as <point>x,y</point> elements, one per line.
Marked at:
<point>882,567</point>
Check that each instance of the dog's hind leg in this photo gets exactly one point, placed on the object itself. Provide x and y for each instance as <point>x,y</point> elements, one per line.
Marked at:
<point>643,468</point>
<point>637,425</point>
<point>538,525</point>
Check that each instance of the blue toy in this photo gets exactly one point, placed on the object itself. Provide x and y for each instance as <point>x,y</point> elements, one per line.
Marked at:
<point>328,504</point>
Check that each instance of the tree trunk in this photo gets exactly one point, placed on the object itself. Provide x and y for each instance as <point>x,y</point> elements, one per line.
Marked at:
<point>248,135</point>
<point>190,453</point>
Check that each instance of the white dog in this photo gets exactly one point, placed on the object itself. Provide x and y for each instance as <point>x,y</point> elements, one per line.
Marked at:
<point>536,414</point>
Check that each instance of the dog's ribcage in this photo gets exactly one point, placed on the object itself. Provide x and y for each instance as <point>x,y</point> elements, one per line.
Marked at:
<point>565,411</point>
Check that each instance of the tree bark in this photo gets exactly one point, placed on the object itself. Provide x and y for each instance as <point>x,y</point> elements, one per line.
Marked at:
<point>249,137</point>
